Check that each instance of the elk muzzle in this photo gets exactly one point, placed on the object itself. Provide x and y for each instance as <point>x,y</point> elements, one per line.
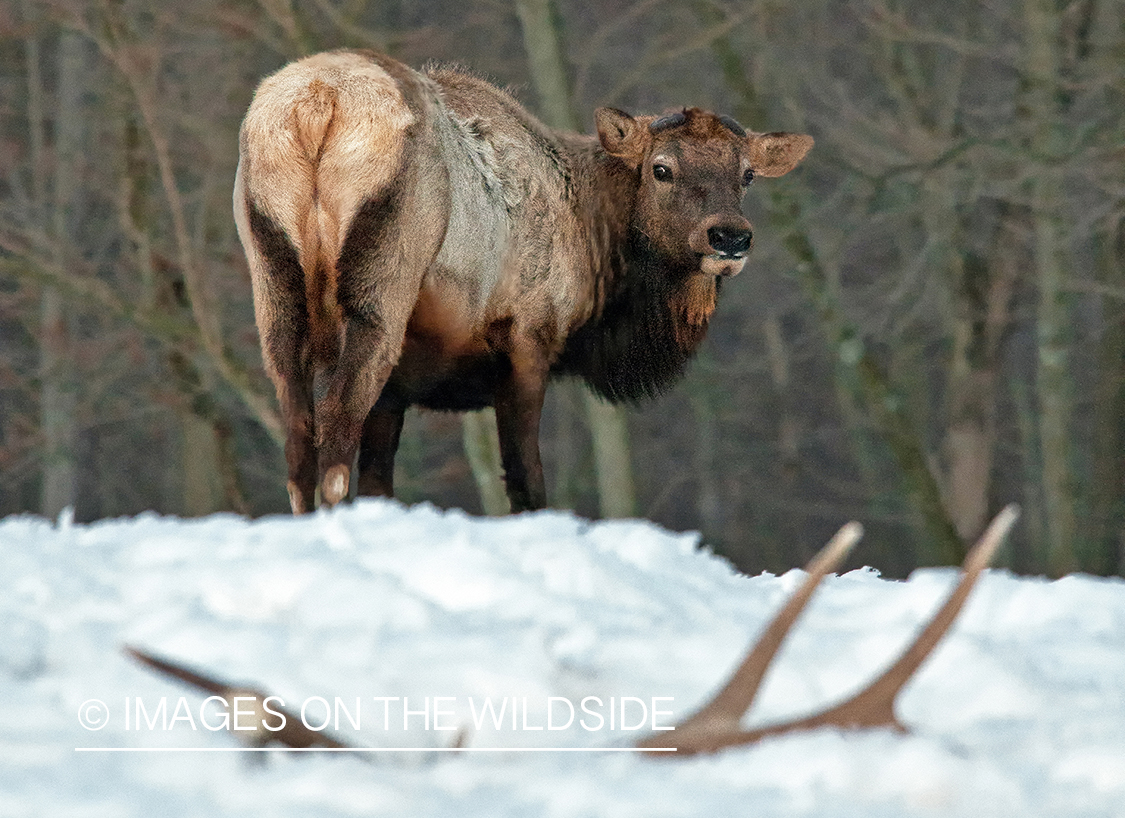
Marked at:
<point>723,242</point>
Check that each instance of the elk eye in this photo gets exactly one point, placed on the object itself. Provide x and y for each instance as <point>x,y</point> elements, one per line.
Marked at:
<point>662,173</point>
<point>747,177</point>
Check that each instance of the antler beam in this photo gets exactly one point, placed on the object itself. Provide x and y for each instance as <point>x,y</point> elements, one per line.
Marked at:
<point>716,726</point>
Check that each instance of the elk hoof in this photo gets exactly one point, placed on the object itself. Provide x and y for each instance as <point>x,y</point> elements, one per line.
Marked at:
<point>297,499</point>
<point>335,486</point>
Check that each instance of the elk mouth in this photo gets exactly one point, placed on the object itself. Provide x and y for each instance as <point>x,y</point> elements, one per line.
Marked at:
<point>722,264</point>
<point>722,243</point>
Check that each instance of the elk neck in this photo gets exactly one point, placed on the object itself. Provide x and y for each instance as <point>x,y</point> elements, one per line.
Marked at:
<point>649,313</point>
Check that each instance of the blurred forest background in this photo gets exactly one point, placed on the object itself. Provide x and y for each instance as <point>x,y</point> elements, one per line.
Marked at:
<point>932,323</point>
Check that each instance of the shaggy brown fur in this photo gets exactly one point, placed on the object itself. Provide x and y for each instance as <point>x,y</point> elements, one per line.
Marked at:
<point>420,239</point>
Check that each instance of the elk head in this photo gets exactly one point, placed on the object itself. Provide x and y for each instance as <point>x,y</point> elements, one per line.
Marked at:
<point>694,167</point>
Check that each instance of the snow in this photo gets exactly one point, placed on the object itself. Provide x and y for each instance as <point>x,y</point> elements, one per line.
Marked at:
<point>1021,712</point>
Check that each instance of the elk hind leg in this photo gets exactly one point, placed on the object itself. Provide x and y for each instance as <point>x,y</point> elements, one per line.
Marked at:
<point>354,384</point>
<point>377,295</point>
<point>282,319</point>
<point>282,350</point>
<point>300,453</point>
<point>390,243</point>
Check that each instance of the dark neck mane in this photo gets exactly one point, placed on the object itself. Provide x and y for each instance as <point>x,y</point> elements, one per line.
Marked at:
<point>648,328</point>
<point>648,317</point>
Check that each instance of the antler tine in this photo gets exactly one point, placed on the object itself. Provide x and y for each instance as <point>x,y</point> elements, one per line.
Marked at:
<point>178,672</point>
<point>721,715</point>
<point>874,705</point>
<point>292,732</point>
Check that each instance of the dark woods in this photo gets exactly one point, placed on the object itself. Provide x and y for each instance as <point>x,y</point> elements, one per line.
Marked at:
<point>931,322</point>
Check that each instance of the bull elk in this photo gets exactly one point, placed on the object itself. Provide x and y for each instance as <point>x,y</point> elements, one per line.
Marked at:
<point>419,239</point>
<point>717,725</point>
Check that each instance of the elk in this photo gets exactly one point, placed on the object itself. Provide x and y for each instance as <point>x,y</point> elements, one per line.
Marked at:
<point>717,725</point>
<point>419,239</point>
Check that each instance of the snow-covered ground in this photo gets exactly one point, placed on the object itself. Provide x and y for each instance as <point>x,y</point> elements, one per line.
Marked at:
<point>1020,713</point>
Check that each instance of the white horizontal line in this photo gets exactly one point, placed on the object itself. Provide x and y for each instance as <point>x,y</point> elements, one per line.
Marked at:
<point>375,749</point>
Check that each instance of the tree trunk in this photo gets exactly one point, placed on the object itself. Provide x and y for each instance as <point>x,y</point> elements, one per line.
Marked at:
<point>58,379</point>
<point>1053,315</point>
<point>199,455</point>
<point>788,432</point>
<point>982,291</point>
<point>482,449</point>
<point>57,404</point>
<point>1107,521</point>
<point>612,464</point>
<point>211,481</point>
<point>1108,469</point>
<point>565,435</point>
<point>708,504</point>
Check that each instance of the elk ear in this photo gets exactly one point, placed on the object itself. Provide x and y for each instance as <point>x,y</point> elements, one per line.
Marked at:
<point>621,135</point>
<point>775,154</point>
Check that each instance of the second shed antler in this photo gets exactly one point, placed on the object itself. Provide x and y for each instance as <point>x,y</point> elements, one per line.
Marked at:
<point>717,725</point>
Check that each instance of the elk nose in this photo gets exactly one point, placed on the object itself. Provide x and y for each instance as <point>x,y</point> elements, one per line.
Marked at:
<point>730,241</point>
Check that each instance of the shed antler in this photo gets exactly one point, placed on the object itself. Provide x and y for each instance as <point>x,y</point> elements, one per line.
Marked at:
<point>290,730</point>
<point>716,726</point>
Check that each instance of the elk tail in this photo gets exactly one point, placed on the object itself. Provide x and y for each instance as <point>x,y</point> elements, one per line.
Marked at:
<point>310,124</point>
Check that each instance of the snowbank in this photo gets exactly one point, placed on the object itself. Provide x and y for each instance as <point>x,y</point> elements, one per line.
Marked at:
<point>426,615</point>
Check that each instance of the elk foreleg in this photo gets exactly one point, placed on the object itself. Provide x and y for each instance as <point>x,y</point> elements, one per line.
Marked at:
<point>377,448</point>
<point>519,404</point>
